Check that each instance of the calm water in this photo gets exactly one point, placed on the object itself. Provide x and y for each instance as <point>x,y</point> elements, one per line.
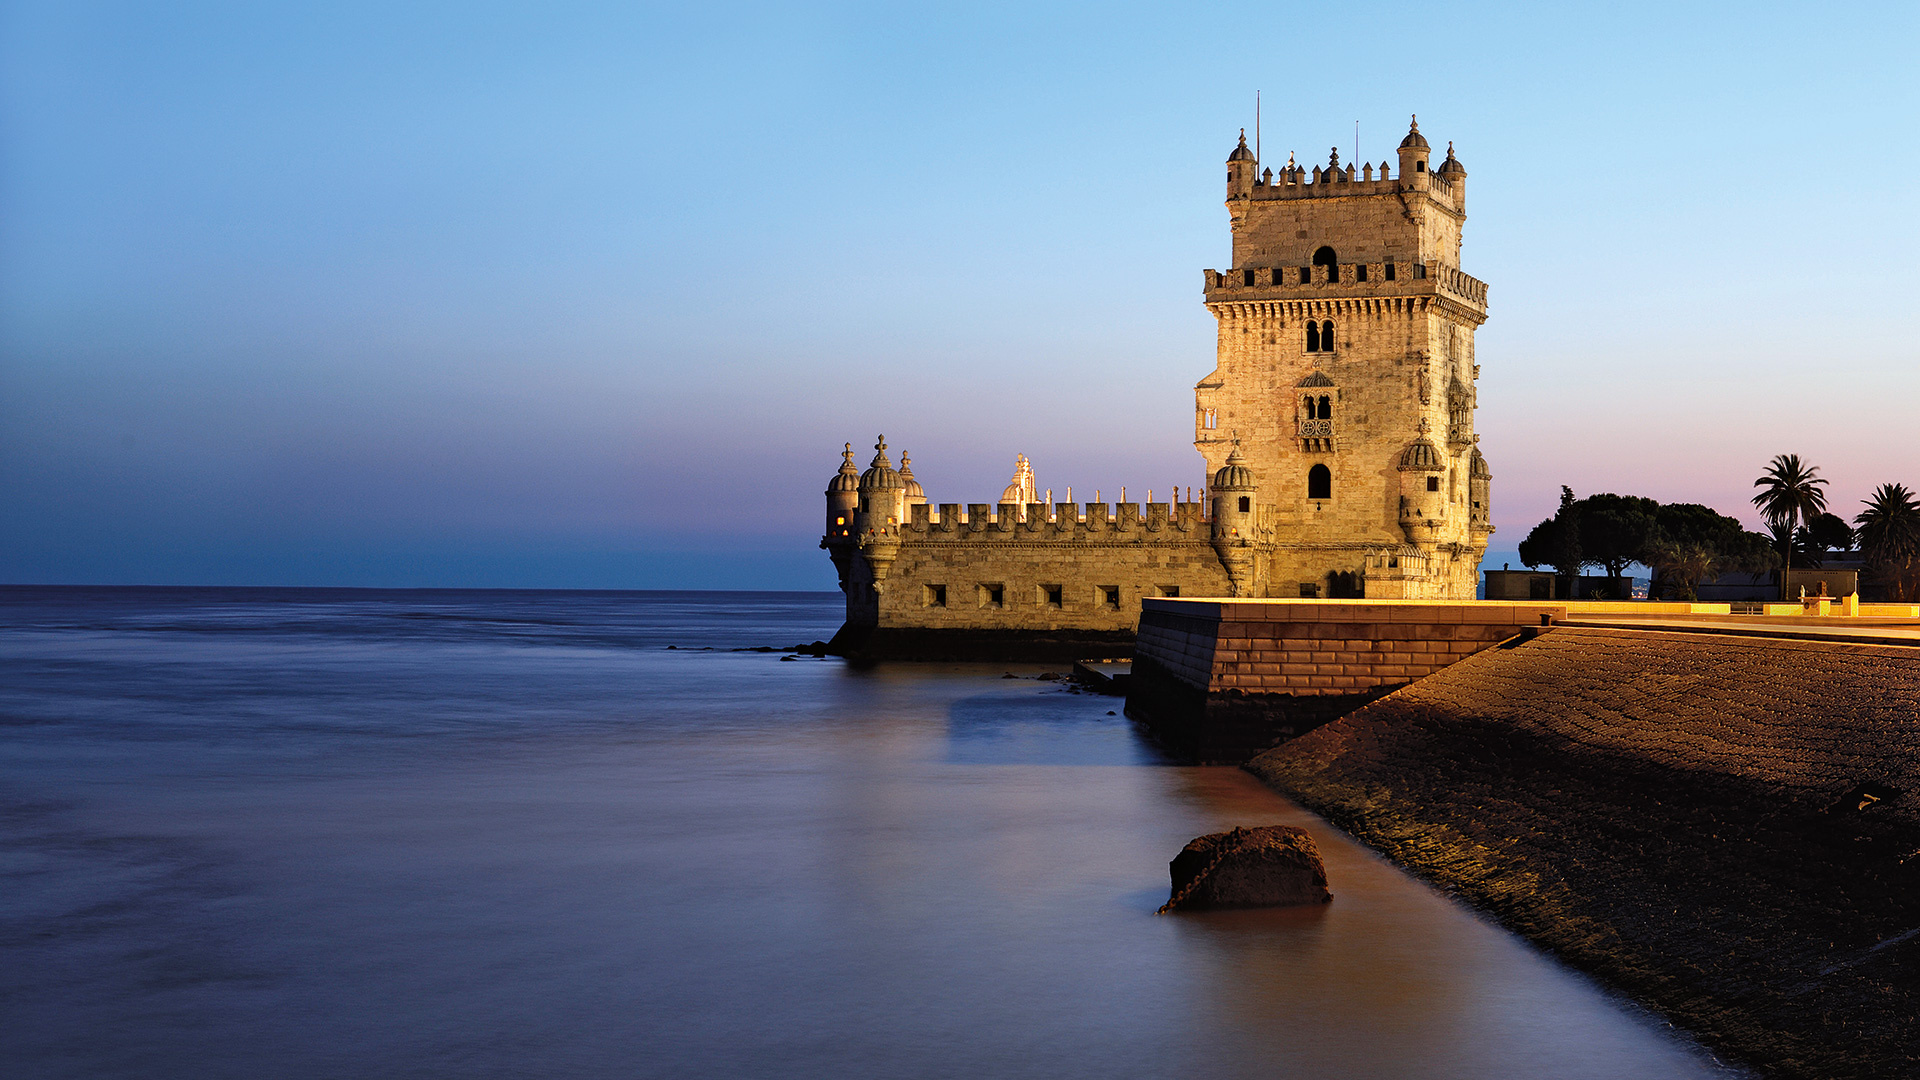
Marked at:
<point>371,834</point>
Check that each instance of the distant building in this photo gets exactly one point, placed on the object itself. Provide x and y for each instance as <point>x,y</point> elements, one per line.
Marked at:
<point>1337,426</point>
<point>1837,578</point>
<point>1547,585</point>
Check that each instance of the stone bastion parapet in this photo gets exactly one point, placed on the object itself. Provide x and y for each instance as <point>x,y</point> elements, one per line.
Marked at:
<point>1367,281</point>
<point>1015,522</point>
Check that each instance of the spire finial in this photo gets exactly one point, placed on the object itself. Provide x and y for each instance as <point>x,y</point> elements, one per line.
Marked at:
<point>1243,136</point>
<point>1333,158</point>
<point>1416,120</point>
<point>1449,147</point>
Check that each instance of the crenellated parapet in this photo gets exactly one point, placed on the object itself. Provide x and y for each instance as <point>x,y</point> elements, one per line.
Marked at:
<point>1055,522</point>
<point>1332,181</point>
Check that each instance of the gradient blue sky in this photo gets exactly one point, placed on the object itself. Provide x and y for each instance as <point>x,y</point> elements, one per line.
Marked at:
<point>590,295</point>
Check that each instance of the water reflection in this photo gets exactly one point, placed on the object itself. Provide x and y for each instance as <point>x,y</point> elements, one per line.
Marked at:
<point>292,848</point>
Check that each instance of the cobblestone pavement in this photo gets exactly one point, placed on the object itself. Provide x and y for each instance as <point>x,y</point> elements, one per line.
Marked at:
<point>1727,828</point>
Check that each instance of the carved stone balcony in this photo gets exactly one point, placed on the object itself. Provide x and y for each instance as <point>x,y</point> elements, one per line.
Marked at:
<point>1309,283</point>
<point>1316,435</point>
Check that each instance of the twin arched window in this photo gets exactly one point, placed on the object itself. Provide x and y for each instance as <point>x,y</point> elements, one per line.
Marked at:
<point>1319,409</point>
<point>1320,336</point>
<point>1319,482</point>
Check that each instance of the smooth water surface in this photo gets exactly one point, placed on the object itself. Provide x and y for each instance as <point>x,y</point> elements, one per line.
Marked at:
<point>370,834</point>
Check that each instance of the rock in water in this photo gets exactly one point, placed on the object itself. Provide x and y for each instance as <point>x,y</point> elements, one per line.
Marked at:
<point>1269,866</point>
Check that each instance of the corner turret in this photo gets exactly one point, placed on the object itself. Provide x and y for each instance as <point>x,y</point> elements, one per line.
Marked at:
<point>877,519</point>
<point>882,495</point>
<point>1479,494</point>
<point>1234,515</point>
<point>1414,152</point>
<point>1454,174</point>
<point>1423,505</point>
<point>913,494</point>
<point>1240,170</point>
<point>843,497</point>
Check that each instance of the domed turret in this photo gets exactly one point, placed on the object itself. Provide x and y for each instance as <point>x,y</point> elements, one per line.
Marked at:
<point>843,496</point>
<point>1234,516</point>
<point>915,495</point>
<point>1455,174</point>
<point>1423,503</point>
<point>1422,456</point>
<point>1240,169</point>
<point>848,478</point>
<point>881,494</point>
<point>880,472</point>
<point>1479,494</point>
<point>1413,156</point>
<point>1234,475</point>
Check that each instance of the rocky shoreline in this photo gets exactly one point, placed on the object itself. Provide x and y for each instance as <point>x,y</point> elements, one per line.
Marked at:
<point>1697,822</point>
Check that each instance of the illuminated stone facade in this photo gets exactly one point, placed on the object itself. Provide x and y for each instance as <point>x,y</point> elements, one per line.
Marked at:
<point>1345,377</point>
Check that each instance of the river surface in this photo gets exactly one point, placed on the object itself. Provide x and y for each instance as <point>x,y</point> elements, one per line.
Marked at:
<point>308,833</point>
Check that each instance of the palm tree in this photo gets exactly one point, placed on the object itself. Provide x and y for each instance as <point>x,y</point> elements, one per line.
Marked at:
<point>1790,496</point>
<point>1890,537</point>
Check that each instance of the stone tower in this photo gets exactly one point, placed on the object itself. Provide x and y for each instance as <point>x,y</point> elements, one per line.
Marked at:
<point>1345,375</point>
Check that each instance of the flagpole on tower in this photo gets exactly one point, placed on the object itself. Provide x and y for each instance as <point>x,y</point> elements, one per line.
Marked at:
<point>1256,133</point>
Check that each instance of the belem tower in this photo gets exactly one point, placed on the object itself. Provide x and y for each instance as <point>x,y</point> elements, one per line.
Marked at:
<point>1337,426</point>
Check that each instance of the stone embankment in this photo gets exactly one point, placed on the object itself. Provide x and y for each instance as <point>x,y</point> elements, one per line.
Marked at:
<point>1725,827</point>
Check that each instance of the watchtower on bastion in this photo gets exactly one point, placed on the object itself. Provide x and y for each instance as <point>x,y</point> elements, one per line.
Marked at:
<point>1346,372</point>
<point>1337,427</point>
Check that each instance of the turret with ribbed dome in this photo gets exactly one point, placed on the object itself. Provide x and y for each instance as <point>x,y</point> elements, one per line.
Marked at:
<point>1234,475</point>
<point>882,494</point>
<point>1241,168</point>
<point>1421,456</point>
<point>1235,518</point>
<point>843,496</point>
<point>1454,173</point>
<point>880,474</point>
<point>1423,490</point>
<point>1414,153</point>
<point>1479,496</point>
<point>914,494</point>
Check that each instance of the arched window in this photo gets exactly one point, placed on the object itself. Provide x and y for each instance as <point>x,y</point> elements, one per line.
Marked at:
<point>1326,336</point>
<point>1311,413</point>
<point>1313,337</point>
<point>1326,407</point>
<point>1246,503</point>
<point>1325,257</point>
<point>1319,482</point>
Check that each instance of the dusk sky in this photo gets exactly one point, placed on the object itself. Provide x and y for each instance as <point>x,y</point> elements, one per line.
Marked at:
<point>591,295</point>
